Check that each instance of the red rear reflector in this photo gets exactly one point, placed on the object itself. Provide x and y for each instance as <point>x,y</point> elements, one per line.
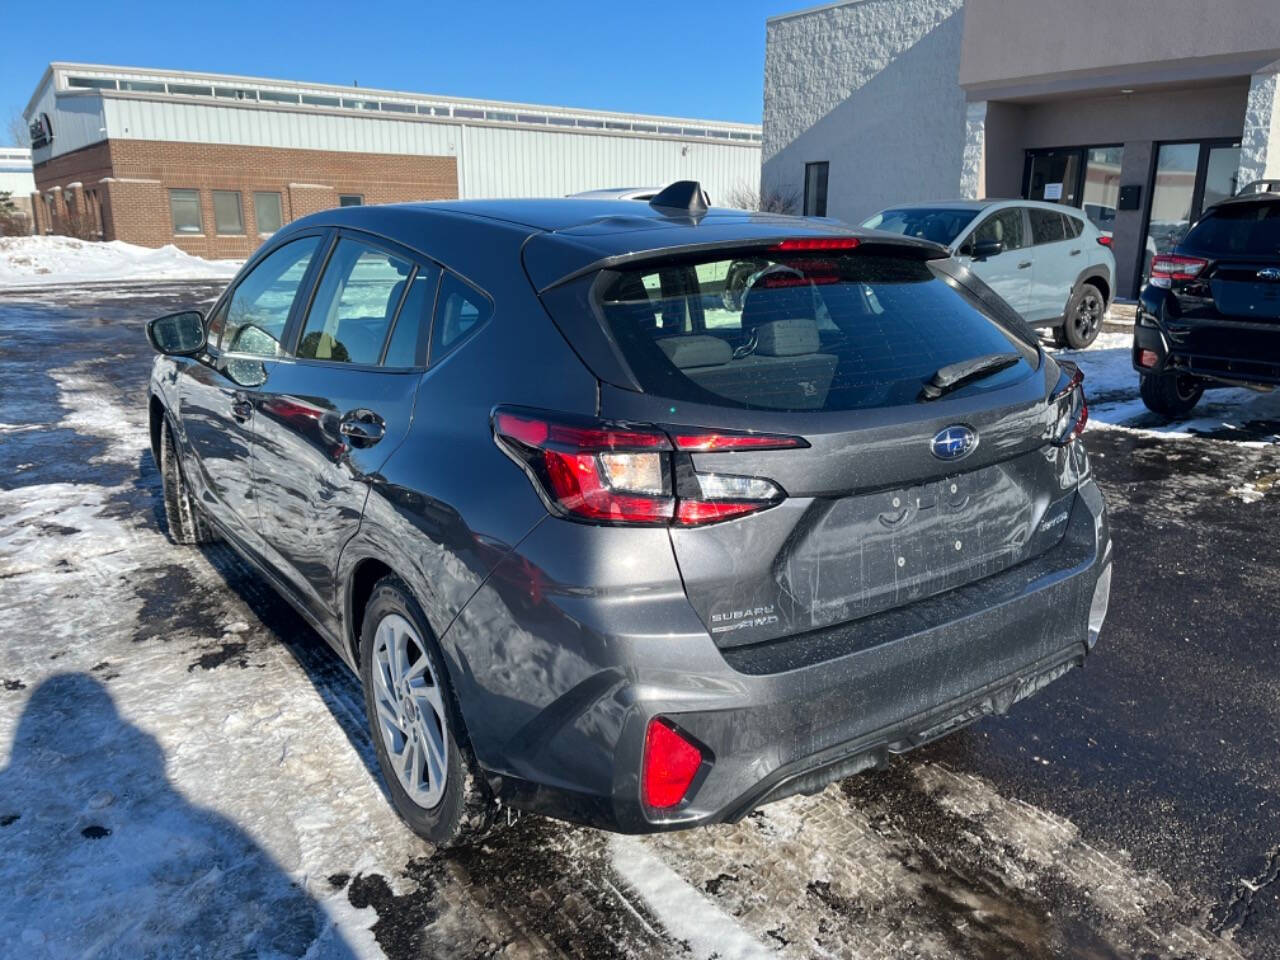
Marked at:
<point>1105,241</point>
<point>670,764</point>
<point>714,442</point>
<point>1148,358</point>
<point>817,243</point>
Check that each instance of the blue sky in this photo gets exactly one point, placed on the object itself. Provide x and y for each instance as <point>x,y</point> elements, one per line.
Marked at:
<point>700,59</point>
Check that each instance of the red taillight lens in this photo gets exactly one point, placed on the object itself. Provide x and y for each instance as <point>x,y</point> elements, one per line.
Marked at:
<point>1105,241</point>
<point>1148,358</point>
<point>714,442</point>
<point>624,473</point>
<point>1168,267</point>
<point>817,243</point>
<point>1073,409</point>
<point>670,764</point>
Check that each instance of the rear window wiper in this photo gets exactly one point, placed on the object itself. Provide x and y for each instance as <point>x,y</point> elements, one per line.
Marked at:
<point>956,375</point>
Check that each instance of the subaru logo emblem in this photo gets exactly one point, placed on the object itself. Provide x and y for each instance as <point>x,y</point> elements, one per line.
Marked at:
<point>954,443</point>
<point>1269,273</point>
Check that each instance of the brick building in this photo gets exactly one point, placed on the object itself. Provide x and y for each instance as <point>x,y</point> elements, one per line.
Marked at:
<point>212,163</point>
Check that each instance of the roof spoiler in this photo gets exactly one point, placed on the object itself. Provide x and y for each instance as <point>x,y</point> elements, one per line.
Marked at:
<point>684,197</point>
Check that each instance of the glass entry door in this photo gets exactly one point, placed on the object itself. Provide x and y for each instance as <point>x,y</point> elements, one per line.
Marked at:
<point>1188,177</point>
<point>1054,175</point>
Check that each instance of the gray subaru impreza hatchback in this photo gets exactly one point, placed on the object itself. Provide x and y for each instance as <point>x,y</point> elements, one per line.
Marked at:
<point>638,515</point>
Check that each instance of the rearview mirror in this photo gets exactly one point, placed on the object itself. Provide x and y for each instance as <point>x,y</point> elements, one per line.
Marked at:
<point>987,248</point>
<point>177,334</point>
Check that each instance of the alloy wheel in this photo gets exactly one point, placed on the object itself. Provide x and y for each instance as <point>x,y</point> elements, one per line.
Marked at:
<point>410,709</point>
<point>1088,315</point>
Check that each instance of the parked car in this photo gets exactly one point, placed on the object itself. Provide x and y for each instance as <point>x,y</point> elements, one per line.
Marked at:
<point>1049,262</point>
<point>1210,313</point>
<point>602,547</point>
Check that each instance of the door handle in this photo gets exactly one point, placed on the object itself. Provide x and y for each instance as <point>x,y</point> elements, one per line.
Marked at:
<point>241,407</point>
<point>363,428</point>
<point>1024,264</point>
<point>1075,253</point>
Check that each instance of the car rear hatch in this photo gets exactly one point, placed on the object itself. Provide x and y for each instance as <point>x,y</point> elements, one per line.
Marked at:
<point>1225,281</point>
<point>880,436</point>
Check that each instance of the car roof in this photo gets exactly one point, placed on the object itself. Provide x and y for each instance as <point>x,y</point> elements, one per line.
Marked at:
<point>564,236</point>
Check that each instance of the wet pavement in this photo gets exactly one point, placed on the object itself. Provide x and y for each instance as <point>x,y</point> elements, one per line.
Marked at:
<point>182,761</point>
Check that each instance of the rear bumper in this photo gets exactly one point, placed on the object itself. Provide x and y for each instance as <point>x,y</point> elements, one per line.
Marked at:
<point>772,721</point>
<point>1223,350</point>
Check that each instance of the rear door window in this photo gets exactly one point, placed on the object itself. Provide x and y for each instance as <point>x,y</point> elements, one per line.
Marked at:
<point>355,304</point>
<point>1046,226</point>
<point>799,332</point>
<point>1243,229</point>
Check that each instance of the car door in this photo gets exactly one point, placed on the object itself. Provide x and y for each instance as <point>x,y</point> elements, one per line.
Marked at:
<point>331,414</point>
<point>1055,269</point>
<point>1008,272</point>
<point>216,396</point>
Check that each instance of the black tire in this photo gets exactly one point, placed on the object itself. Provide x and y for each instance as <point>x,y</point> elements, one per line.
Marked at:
<point>1170,394</point>
<point>185,519</point>
<point>1083,321</point>
<point>465,811</point>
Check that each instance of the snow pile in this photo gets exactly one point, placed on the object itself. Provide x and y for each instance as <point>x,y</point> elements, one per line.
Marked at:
<point>41,261</point>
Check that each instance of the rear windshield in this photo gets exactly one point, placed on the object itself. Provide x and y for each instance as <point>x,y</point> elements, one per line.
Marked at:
<point>799,332</point>
<point>939,225</point>
<point>1251,229</point>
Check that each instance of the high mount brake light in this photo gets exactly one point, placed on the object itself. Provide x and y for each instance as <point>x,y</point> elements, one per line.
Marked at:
<point>626,474</point>
<point>816,243</point>
<point>1168,267</point>
<point>1073,408</point>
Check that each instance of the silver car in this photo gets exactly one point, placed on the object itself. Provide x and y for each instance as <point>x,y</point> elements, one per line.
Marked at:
<point>1049,262</point>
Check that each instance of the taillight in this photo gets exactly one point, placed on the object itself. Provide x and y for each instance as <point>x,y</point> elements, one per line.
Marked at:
<point>669,766</point>
<point>633,474</point>
<point>1168,267</point>
<point>1072,408</point>
<point>1104,240</point>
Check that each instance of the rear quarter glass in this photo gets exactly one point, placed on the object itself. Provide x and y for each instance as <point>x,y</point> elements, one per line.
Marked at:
<point>792,332</point>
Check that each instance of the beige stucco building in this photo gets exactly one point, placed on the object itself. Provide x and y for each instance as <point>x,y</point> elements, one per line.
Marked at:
<point>1143,112</point>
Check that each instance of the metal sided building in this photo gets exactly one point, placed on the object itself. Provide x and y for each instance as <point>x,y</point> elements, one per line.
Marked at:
<point>1141,113</point>
<point>212,163</point>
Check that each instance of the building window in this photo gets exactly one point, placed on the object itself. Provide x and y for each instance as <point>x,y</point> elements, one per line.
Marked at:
<point>350,200</point>
<point>815,189</point>
<point>227,215</point>
<point>184,207</point>
<point>266,211</point>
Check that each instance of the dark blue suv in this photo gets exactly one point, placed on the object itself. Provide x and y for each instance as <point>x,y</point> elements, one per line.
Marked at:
<point>639,515</point>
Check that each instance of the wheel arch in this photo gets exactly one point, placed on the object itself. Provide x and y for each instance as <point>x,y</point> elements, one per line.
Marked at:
<point>1097,276</point>
<point>156,415</point>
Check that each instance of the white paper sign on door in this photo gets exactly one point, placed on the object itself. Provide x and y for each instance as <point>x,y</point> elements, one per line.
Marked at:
<point>1053,191</point>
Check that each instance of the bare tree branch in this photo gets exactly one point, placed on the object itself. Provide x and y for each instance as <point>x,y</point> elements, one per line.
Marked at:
<point>16,130</point>
<point>773,199</point>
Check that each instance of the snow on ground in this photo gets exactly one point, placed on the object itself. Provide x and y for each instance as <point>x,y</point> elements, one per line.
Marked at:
<point>40,261</point>
<point>1111,385</point>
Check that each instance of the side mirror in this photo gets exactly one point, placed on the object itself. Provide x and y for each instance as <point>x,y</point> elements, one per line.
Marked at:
<point>177,334</point>
<point>987,248</point>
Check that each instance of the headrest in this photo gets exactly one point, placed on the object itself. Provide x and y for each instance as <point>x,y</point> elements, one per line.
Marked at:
<point>696,351</point>
<point>787,338</point>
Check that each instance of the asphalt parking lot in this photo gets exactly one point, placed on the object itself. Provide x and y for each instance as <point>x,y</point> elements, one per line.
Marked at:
<point>183,762</point>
